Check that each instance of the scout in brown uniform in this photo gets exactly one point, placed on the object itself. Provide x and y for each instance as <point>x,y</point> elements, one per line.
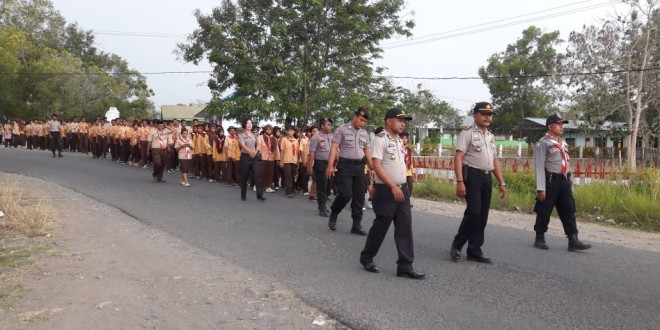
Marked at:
<point>83,135</point>
<point>73,134</point>
<point>199,159</point>
<point>219,155</point>
<point>94,131</point>
<point>64,134</point>
<point>302,184</point>
<point>133,143</point>
<point>106,131</point>
<point>143,133</point>
<point>289,160</point>
<point>184,147</point>
<point>210,165</point>
<point>277,172</point>
<point>351,143</point>
<point>30,132</point>
<point>233,152</point>
<point>250,158</point>
<point>39,129</point>
<point>159,145</point>
<point>269,151</point>
<point>474,164</point>
<point>391,198</point>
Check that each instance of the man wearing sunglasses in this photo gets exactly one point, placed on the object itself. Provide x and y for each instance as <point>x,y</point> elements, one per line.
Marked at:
<point>474,163</point>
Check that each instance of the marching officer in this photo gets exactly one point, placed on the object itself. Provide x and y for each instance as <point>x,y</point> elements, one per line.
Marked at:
<point>54,128</point>
<point>474,163</point>
<point>319,151</point>
<point>553,185</point>
<point>351,143</point>
<point>391,198</point>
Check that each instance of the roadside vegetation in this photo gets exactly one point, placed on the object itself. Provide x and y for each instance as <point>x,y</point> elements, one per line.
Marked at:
<point>26,218</point>
<point>631,203</point>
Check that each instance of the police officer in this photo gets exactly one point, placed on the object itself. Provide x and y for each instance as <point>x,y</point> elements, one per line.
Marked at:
<point>553,185</point>
<point>391,198</point>
<point>319,151</point>
<point>351,143</point>
<point>474,163</point>
<point>249,161</point>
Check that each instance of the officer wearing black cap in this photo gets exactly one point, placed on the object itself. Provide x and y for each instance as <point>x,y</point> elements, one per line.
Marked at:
<point>319,151</point>
<point>391,199</point>
<point>553,185</point>
<point>351,143</point>
<point>474,163</point>
<point>54,129</point>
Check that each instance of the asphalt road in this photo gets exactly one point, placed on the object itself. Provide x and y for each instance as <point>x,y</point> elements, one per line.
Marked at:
<point>607,287</point>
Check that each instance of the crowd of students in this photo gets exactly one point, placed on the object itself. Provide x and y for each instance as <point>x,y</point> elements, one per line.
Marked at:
<point>204,151</point>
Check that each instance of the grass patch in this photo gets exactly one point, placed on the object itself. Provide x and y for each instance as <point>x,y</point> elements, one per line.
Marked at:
<point>10,295</point>
<point>632,204</point>
<point>25,214</point>
<point>18,256</point>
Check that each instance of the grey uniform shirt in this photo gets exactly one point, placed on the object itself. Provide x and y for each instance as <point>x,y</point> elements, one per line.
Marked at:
<point>392,154</point>
<point>320,146</point>
<point>547,157</point>
<point>249,141</point>
<point>479,148</point>
<point>54,125</point>
<point>73,127</point>
<point>352,142</point>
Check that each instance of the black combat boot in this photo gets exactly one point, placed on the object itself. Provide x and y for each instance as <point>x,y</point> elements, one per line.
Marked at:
<point>574,244</point>
<point>539,242</point>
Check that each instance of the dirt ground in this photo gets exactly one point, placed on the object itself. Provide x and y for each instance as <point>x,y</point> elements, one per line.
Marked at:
<point>103,269</point>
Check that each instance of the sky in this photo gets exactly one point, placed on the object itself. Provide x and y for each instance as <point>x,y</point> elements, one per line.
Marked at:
<point>455,54</point>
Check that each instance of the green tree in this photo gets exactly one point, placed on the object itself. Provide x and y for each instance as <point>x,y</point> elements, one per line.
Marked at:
<point>628,46</point>
<point>519,79</point>
<point>426,109</point>
<point>293,60</point>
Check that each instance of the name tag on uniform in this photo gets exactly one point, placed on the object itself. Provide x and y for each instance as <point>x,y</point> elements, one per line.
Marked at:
<point>554,150</point>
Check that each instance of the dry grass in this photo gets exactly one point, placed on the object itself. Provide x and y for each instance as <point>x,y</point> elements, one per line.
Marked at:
<point>25,214</point>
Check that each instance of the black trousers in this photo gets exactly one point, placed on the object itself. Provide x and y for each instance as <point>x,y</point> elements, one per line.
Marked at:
<point>56,142</point>
<point>322,183</point>
<point>479,189</point>
<point>303,179</point>
<point>250,167</point>
<point>351,182</point>
<point>558,193</point>
<point>387,209</point>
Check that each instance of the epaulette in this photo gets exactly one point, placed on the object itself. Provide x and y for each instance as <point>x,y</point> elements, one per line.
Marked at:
<point>467,127</point>
<point>381,134</point>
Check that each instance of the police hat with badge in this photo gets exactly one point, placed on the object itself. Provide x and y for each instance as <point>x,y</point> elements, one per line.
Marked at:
<point>555,118</point>
<point>483,108</point>
<point>397,113</point>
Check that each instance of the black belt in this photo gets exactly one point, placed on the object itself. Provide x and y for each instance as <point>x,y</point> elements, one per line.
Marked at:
<point>362,161</point>
<point>403,185</point>
<point>321,160</point>
<point>558,175</point>
<point>479,170</point>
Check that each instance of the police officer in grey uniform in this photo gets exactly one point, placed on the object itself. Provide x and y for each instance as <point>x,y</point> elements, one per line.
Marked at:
<point>391,197</point>
<point>474,163</point>
<point>250,158</point>
<point>54,129</point>
<point>553,185</point>
<point>351,143</point>
<point>319,151</point>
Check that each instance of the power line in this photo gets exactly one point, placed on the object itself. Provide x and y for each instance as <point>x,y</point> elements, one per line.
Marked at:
<point>490,28</point>
<point>483,24</point>
<point>568,74</point>
<point>139,34</point>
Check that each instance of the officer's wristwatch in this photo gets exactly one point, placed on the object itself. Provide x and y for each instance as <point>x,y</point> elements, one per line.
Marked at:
<point>503,184</point>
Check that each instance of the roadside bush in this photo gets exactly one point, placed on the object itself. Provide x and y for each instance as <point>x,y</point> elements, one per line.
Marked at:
<point>24,214</point>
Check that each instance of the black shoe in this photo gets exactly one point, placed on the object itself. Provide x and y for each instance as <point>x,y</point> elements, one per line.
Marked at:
<point>261,198</point>
<point>455,254</point>
<point>539,243</point>
<point>53,155</point>
<point>574,244</point>
<point>332,222</point>
<point>358,231</point>
<point>59,155</point>
<point>370,267</point>
<point>480,258</point>
<point>324,213</point>
<point>411,274</point>
<point>243,198</point>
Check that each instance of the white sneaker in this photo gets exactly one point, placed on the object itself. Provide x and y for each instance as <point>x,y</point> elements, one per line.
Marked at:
<point>269,190</point>
<point>211,180</point>
<point>369,205</point>
<point>254,188</point>
<point>306,194</point>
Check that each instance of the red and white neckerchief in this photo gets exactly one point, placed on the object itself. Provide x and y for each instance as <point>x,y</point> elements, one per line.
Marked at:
<point>186,141</point>
<point>563,148</point>
<point>293,146</point>
<point>160,139</point>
